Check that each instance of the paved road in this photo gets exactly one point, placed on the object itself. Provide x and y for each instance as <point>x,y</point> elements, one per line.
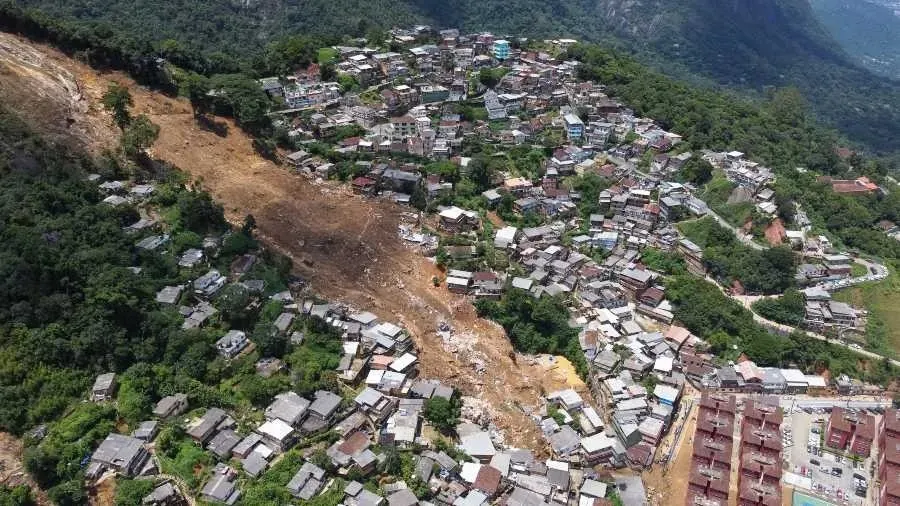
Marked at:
<point>877,272</point>
<point>831,402</point>
<point>880,272</point>
<point>778,328</point>
<point>744,238</point>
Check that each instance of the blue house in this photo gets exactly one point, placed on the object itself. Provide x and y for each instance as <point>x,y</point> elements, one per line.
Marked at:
<point>574,127</point>
<point>501,49</point>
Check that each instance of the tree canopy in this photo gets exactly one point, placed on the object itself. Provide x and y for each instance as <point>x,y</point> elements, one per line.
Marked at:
<point>442,414</point>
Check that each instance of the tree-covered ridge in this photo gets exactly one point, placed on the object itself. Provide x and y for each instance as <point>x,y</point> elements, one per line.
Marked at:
<point>778,131</point>
<point>868,30</point>
<point>78,298</point>
<point>768,271</point>
<point>746,44</point>
<point>536,326</point>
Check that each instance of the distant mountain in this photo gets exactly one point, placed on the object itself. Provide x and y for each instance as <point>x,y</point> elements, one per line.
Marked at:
<point>746,44</point>
<point>869,30</point>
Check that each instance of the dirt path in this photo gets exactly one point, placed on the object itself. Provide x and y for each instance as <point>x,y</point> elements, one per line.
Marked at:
<point>668,483</point>
<point>345,246</point>
<point>12,470</point>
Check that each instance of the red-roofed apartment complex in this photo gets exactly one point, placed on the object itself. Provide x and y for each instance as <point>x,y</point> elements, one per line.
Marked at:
<point>766,416</point>
<point>759,478</point>
<point>711,457</point>
<point>889,463</point>
<point>853,432</point>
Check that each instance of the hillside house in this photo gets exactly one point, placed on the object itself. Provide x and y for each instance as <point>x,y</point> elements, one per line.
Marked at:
<point>232,343</point>
<point>454,219</point>
<point>171,405</point>
<point>122,454</point>
<point>104,388</point>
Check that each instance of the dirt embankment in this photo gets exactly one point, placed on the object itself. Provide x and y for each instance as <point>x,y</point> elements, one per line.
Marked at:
<point>12,470</point>
<point>52,97</point>
<point>346,246</point>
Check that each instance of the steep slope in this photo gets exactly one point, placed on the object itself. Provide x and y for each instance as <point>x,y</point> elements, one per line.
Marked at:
<point>345,246</point>
<point>747,44</point>
<point>867,29</point>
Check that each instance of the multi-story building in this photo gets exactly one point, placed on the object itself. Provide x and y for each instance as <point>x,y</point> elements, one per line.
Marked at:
<point>598,133</point>
<point>760,440</point>
<point>761,468</point>
<point>693,257</point>
<point>574,127</point>
<point>762,415</point>
<point>889,472</point>
<point>500,49</point>
<point>634,281</point>
<point>853,432</point>
<point>708,482</point>
<point>889,461</point>
<point>758,494</point>
<point>298,96</point>
<point>123,454</point>
<point>403,127</point>
<point>838,265</point>
<point>829,314</point>
<point>759,476</point>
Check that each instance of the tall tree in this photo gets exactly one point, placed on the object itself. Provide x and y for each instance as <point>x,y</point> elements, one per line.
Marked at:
<point>442,413</point>
<point>117,100</point>
<point>140,134</point>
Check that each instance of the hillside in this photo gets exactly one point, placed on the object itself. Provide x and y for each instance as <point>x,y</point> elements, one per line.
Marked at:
<point>344,246</point>
<point>869,30</point>
<point>746,44</point>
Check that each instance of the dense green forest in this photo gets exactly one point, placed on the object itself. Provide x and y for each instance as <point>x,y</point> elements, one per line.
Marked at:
<point>768,271</point>
<point>748,45</point>
<point>536,325</point>
<point>789,308</point>
<point>78,299</point>
<point>69,289</point>
<point>868,30</point>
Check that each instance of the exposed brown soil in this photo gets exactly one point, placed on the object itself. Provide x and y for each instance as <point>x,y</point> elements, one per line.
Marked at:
<point>43,88</point>
<point>12,470</point>
<point>103,493</point>
<point>775,232</point>
<point>668,484</point>
<point>346,246</point>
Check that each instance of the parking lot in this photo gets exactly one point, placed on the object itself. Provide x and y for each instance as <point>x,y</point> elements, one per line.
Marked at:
<point>832,477</point>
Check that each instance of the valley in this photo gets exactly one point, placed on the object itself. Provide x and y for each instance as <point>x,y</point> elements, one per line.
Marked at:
<point>454,268</point>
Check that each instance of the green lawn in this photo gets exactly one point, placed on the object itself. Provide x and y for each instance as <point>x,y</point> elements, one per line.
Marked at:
<point>881,300</point>
<point>716,194</point>
<point>327,54</point>
<point>697,230</point>
<point>858,270</point>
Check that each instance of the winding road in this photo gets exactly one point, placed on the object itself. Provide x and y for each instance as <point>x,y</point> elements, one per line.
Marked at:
<point>782,329</point>
<point>875,272</point>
